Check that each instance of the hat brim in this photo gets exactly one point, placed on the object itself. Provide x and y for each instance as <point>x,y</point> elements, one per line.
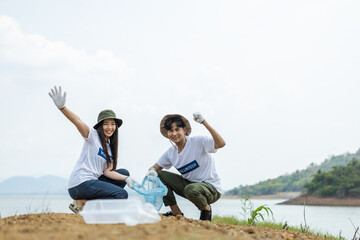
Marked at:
<point>117,121</point>
<point>164,131</point>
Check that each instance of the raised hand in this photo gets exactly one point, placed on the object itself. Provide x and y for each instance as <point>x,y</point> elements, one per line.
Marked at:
<point>198,117</point>
<point>58,98</point>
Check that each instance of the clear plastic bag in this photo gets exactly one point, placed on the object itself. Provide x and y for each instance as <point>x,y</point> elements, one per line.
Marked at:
<point>152,191</point>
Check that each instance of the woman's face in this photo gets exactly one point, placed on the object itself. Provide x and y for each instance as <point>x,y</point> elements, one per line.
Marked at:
<point>109,127</point>
<point>176,134</point>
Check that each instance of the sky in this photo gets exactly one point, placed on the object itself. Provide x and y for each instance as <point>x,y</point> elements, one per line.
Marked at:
<point>279,80</point>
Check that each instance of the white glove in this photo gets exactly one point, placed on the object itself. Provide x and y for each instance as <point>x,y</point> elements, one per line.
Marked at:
<point>130,182</point>
<point>58,98</point>
<point>198,117</point>
<point>151,172</point>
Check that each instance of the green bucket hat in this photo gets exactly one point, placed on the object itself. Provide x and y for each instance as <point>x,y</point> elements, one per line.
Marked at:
<point>106,114</point>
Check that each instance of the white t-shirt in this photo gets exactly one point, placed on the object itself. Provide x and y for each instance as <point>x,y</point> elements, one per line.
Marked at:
<point>92,161</point>
<point>194,162</point>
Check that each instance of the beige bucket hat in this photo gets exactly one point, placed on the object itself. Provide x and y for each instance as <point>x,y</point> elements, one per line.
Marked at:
<point>186,122</point>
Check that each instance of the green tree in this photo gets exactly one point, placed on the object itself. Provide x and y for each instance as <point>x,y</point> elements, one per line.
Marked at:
<point>295,181</point>
<point>340,182</point>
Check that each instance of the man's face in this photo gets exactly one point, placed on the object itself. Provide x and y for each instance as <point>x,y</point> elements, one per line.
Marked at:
<point>176,134</point>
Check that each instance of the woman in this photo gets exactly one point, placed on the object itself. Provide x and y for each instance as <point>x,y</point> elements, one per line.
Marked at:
<point>95,175</point>
<point>191,156</point>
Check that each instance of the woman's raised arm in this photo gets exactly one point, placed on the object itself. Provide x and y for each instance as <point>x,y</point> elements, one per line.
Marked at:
<point>59,100</point>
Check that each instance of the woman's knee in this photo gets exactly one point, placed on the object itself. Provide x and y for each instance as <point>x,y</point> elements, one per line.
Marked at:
<point>122,195</point>
<point>118,193</point>
<point>73,193</point>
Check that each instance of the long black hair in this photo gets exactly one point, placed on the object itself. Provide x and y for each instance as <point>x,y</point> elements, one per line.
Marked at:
<point>114,142</point>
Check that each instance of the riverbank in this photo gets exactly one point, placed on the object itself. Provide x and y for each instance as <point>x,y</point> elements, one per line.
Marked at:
<point>58,226</point>
<point>315,201</point>
<point>279,195</point>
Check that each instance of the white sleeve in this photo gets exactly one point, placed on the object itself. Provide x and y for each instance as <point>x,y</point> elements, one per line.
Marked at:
<point>92,134</point>
<point>164,161</point>
<point>209,145</point>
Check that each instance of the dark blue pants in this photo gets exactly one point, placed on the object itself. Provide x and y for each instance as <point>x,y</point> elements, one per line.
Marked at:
<point>102,188</point>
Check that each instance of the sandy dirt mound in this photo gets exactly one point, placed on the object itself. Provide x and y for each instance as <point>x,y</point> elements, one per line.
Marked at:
<point>69,226</point>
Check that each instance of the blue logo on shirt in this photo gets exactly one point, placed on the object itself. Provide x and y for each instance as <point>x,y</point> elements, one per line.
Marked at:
<point>189,167</point>
<point>102,154</point>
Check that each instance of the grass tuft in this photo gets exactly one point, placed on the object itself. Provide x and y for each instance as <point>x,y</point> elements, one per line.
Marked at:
<point>43,208</point>
<point>232,220</point>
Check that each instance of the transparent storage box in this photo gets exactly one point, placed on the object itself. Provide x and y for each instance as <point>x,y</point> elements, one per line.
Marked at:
<point>128,211</point>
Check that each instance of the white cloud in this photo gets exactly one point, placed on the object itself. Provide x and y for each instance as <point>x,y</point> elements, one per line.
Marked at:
<point>17,47</point>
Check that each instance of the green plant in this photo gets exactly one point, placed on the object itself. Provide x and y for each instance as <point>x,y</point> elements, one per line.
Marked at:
<point>248,209</point>
<point>257,213</point>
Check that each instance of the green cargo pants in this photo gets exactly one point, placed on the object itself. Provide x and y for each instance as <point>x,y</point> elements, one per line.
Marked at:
<point>199,193</point>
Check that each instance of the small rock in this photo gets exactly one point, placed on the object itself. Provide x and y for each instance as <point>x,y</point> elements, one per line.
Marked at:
<point>250,230</point>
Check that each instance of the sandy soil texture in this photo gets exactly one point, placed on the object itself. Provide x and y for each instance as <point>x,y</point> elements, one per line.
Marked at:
<point>64,226</point>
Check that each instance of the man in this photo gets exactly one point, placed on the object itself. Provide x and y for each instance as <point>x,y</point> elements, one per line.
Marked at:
<point>191,156</point>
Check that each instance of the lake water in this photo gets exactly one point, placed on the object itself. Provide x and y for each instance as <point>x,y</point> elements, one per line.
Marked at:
<point>322,219</point>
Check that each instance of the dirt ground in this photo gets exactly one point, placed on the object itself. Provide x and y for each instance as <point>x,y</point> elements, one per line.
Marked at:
<point>65,226</point>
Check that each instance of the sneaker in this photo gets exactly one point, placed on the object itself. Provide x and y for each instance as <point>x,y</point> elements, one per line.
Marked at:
<point>169,213</point>
<point>73,208</point>
<point>206,215</point>
<point>77,206</point>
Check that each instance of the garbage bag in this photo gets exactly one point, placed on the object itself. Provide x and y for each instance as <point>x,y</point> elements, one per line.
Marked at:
<point>152,191</point>
<point>111,211</point>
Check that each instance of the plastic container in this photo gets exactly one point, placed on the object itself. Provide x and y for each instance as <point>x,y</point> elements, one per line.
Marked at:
<point>152,191</point>
<point>128,211</point>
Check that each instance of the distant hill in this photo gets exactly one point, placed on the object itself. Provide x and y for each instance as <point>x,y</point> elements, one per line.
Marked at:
<point>293,182</point>
<point>29,185</point>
